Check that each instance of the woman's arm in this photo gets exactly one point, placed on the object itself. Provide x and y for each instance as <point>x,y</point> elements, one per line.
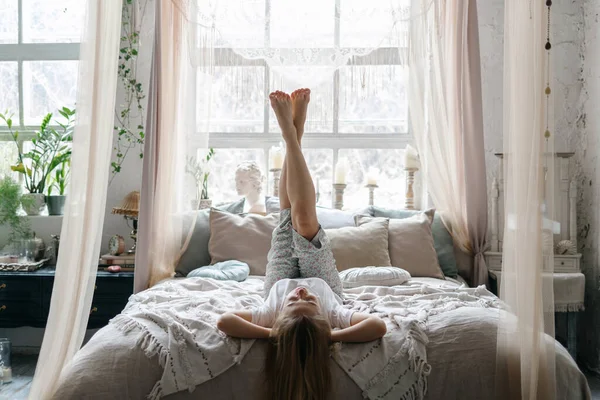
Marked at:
<point>238,324</point>
<point>363,328</point>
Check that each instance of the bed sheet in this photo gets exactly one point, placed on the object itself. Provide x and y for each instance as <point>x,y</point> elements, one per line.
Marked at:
<point>461,352</point>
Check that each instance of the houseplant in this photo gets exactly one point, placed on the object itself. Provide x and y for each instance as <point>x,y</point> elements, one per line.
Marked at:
<point>10,201</point>
<point>58,181</point>
<point>50,149</point>
<point>199,168</point>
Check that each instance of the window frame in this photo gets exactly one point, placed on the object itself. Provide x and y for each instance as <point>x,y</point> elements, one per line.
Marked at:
<point>20,52</point>
<point>333,140</point>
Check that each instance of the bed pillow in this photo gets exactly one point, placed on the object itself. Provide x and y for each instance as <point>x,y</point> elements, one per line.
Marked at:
<point>361,246</point>
<point>442,241</point>
<point>196,255</point>
<point>245,238</point>
<point>232,270</point>
<point>373,276</point>
<point>329,218</point>
<point>411,244</point>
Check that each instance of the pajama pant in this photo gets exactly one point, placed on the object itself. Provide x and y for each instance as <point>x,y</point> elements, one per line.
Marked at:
<point>293,256</point>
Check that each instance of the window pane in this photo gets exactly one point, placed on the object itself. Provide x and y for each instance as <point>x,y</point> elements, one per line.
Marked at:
<point>320,109</point>
<point>8,157</point>
<point>246,28</point>
<point>237,101</point>
<point>320,164</point>
<point>389,163</point>
<point>373,99</point>
<point>223,166</point>
<point>302,24</point>
<point>48,86</point>
<point>9,87</point>
<point>9,25</point>
<point>53,21</point>
<point>366,24</point>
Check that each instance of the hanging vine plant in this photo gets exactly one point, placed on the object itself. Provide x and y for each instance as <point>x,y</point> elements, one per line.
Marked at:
<point>130,116</point>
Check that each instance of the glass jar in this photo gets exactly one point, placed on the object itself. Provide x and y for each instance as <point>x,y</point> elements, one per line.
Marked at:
<point>5,369</point>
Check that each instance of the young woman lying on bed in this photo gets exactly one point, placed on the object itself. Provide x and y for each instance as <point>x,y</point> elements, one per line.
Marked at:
<point>302,286</point>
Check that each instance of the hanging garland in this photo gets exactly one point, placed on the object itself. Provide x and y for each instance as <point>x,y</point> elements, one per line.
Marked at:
<point>130,117</point>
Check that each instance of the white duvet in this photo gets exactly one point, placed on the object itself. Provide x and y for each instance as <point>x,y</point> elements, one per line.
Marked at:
<point>451,353</point>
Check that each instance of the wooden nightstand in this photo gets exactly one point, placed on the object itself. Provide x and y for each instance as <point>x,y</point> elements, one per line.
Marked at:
<point>569,290</point>
<point>25,297</point>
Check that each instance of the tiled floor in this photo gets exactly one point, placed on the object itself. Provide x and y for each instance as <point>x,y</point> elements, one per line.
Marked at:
<point>24,368</point>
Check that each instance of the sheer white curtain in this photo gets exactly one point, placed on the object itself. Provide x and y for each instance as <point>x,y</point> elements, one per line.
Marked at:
<point>526,349</point>
<point>84,213</point>
<point>447,119</point>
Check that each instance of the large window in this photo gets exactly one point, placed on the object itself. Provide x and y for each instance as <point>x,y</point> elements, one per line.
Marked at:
<point>39,51</point>
<point>359,113</point>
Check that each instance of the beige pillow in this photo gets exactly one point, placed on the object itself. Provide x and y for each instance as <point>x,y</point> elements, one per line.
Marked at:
<point>361,246</point>
<point>243,238</point>
<point>411,244</point>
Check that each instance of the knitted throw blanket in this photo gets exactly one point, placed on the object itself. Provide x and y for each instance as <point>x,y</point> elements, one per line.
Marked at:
<point>176,321</point>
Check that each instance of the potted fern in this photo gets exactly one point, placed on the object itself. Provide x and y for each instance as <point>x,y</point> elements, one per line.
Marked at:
<point>50,149</point>
<point>58,181</point>
<point>10,201</point>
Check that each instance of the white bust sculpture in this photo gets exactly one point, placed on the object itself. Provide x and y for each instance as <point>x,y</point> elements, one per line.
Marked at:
<point>248,183</point>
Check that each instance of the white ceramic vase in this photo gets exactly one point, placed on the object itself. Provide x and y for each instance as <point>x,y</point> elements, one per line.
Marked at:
<point>33,203</point>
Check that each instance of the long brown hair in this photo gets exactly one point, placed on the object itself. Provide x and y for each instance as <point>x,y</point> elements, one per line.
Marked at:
<point>297,364</point>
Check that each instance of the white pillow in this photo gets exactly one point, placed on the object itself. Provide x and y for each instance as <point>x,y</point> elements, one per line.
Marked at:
<point>373,276</point>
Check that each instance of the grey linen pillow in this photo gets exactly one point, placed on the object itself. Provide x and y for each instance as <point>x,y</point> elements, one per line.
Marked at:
<point>361,246</point>
<point>411,244</point>
<point>196,255</point>
<point>245,238</point>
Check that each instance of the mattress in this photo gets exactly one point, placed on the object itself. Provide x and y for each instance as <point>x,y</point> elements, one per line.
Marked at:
<point>461,352</point>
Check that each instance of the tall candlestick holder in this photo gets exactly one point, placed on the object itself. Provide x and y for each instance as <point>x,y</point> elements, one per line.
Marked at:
<point>371,188</point>
<point>409,202</point>
<point>339,195</point>
<point>276,177</point>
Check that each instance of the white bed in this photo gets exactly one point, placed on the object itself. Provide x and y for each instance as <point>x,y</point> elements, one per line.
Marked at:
<point>461,351</point>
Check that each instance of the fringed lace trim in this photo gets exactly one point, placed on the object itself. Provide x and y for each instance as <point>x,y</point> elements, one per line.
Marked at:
<point>148,343</point>
<point>418,365</point>
<point>571,307</point>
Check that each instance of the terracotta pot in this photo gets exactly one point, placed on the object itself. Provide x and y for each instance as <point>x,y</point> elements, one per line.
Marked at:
<point>205,203</point>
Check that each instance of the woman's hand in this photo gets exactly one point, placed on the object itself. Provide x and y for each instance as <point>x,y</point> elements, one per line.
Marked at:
<point>364,328</point>
<point>238,324</point>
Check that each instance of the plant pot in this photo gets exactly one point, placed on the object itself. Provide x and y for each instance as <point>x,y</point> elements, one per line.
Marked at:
<point>205,203</point>
<point>33,203</point>
<point>56,204</point>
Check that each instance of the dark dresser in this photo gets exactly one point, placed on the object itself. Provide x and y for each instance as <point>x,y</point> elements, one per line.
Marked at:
<point>25,297</point>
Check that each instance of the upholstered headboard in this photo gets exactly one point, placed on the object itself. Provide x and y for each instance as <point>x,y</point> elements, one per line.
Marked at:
<point>565,195</point>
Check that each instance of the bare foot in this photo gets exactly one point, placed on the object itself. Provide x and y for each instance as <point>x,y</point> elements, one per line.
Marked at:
<point>300,100</point>
<point>282,105</point>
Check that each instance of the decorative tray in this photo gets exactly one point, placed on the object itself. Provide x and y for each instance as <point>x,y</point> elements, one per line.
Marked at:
<point>23,266</point>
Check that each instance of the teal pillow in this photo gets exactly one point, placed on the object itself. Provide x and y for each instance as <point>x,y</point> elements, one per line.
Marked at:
<point>224,271</point>
<point>442,240</point>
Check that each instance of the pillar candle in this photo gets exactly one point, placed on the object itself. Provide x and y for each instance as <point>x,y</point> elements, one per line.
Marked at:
<point>341,170</point>
<point>411,158</point>
<point>276,158</point>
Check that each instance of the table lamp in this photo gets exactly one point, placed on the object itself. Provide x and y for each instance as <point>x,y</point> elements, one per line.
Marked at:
<point>129,208</point>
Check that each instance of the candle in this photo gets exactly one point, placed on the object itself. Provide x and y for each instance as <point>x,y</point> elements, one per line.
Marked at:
<point>411,158</point>
<point>372,177</point>
<point>341,170</point>
<point>6,374</point>
<point>276,158</point>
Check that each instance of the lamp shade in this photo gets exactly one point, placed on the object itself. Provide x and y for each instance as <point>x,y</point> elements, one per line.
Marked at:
<point>129,206</point>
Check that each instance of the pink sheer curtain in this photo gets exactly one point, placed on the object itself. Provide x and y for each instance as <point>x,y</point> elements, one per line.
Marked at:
<point>447,120</point>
